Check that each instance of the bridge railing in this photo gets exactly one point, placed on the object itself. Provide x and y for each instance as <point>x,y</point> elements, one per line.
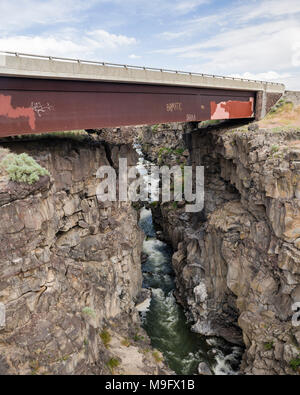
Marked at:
<point>126,66</point>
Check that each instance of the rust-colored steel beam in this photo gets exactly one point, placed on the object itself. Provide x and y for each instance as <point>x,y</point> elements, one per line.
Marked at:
<point>43,105</point>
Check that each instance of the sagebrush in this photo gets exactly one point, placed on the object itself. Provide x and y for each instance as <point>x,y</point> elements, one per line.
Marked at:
<point>22,168</point>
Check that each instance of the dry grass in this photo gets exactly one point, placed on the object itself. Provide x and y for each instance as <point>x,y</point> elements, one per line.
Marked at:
<point>157,356</point>
<point>283,115</point>
<point>126,342</point>
<point>78,135</point>
<point>105,337</point>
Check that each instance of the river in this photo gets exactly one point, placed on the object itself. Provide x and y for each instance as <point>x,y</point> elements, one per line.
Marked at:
<point>165,321</point>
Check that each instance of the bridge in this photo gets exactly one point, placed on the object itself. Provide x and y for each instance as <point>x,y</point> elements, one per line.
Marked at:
<point>43,94</point>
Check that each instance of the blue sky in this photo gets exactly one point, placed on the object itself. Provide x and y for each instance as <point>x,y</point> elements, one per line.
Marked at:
<point>246,38</point>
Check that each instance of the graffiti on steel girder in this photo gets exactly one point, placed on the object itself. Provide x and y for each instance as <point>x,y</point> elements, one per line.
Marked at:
<point>40,108</point>
<point>191,117</point>
<point>171,107</point>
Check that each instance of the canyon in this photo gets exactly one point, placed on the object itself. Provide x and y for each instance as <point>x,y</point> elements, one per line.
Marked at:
<point>71,270</point>
<point>237,261</point>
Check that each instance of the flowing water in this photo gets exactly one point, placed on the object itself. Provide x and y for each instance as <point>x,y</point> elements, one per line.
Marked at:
<point>165,321</point>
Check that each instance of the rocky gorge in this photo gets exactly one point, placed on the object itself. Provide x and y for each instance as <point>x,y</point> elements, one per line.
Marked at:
<point>237,262</point>
<point>71,278</point>
<point>70,268</point>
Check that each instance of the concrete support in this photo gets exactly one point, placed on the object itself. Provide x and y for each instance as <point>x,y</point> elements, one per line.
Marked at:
<point>264,102</point>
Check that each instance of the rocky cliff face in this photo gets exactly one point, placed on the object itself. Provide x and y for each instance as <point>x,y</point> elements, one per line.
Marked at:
<point>238,261</point>
<point>70,269</point>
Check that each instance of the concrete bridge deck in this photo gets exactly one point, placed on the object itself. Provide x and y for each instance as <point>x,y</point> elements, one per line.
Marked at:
<point>41,94</point>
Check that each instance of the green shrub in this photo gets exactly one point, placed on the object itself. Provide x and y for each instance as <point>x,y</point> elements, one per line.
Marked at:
<point>164,150</point>
<point>23,168</point>
<point>126,342</point>
<point>179,151</point>
<point>274,148</point>
<point>89,311</point>
<point>295,363</point>
<point>268,346</point>
<point>105,337</point>
<point>138,337</point>
<point>209,122</point>
<point>157,356</point>
<point>280,107</point>
<point>155,127</point>
<point>112,364</point>
<point>77,135</point>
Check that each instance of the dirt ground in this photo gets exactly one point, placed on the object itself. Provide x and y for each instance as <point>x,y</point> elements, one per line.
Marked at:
<point>286,115</point>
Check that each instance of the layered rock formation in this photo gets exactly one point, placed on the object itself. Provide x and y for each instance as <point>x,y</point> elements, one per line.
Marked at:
<point>238,261</point>
<point>70,269</point>
<point>70,272</point>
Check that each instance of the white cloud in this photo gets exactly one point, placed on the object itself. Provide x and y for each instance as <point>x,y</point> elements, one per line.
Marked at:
<point>187,6</point>
<point>103,39</point>
<point>269,9</point>
<point>293,82</point>
<point>255,40</point>
<point>172,35</point>
<point>256,48</point>
<point>194,26</point>
<point>235,36</point>
<point>17,15</point>
<point>296,54</point>
<point>265,76</point>
<point>133,56</point>
<point>68,44</point>
<point>41,46</point>
<point>158,8</point>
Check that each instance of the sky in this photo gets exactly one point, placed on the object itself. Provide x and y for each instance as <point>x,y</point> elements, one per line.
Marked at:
<point>256,39</point>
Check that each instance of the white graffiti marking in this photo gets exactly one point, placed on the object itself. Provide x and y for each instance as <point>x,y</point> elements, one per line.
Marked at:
<point>191,117</point>
<point>39,108</point>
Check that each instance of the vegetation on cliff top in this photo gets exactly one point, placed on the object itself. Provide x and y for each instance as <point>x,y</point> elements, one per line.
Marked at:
<point>77,135</point>
<point>22,168</point>
<point>284,115</point>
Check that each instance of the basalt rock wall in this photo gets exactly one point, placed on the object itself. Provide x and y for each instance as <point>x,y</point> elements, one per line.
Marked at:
<point>70,269</point>
<point>237,262</point>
